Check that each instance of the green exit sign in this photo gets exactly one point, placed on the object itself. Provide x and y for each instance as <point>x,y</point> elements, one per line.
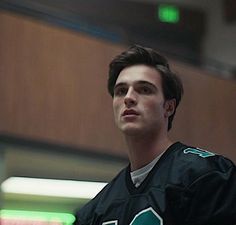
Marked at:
<point>168,13</point>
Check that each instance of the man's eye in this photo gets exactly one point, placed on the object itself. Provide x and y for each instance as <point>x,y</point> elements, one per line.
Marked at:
<point>145,90</point>
<point>120,91</point>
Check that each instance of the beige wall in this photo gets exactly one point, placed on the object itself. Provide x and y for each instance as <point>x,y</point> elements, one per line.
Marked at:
<point>53,88</point>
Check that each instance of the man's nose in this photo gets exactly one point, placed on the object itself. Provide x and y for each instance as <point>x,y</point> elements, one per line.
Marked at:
<point>130,98</point>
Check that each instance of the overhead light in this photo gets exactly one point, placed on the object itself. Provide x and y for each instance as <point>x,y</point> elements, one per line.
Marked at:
<point>32,217</point>
<point>52,187</point>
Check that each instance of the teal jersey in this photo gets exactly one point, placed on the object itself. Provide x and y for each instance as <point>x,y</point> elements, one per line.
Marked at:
<point>187,186</point>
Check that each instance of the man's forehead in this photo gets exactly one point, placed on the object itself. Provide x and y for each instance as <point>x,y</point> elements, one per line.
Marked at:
<point>139,74</point>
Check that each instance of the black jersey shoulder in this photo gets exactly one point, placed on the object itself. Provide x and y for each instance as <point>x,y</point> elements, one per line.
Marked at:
<point>186,163</point>
<point>181,165</point>
<point>205,161</point>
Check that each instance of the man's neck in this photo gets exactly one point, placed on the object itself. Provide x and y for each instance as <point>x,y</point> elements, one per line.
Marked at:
<point>142,150</point>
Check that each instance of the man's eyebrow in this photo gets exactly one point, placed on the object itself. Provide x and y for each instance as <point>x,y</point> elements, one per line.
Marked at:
<point>120,84</point>
<point>137,82</point>
<point>146,82</point>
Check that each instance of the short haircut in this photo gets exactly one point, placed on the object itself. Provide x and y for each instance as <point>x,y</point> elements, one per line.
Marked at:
<point>136,55</point>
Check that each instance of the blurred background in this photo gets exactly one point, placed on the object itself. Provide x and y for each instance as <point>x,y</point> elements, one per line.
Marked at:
<point>56,119</point>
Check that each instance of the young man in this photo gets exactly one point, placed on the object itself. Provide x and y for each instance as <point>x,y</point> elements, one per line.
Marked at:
<point>166,183</point>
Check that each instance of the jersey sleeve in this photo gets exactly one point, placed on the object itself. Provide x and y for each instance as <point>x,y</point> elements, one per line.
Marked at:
<point>211,198</point>
<point>79,221</point>
<point>81,215</point>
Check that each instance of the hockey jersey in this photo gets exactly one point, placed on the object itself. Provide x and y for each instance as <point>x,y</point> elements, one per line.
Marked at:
<point>187,186</point>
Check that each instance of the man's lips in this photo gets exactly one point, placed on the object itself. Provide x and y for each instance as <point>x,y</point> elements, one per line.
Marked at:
<point>130,112</point>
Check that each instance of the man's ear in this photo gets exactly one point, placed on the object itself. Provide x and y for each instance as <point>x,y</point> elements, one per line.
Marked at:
<point>169,107</point>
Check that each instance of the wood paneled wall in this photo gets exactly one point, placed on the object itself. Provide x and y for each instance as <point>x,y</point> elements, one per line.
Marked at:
<point>53,88</point>
<point>206,116</point>
<point>53,85</point>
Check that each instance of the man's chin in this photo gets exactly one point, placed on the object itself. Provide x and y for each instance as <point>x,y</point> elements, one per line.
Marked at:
<point>131,130</point>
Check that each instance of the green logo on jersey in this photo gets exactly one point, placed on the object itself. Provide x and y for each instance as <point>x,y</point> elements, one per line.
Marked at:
<point>199,152</point>
<point>147,217</point>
